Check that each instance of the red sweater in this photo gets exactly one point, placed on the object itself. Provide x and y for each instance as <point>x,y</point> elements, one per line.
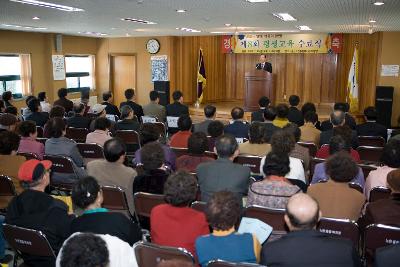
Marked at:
<point>180,139</point>
<point>177,226</point>
<point>323,153</point>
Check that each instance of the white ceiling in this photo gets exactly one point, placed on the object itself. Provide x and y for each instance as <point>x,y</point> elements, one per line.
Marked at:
<point>205,15</point>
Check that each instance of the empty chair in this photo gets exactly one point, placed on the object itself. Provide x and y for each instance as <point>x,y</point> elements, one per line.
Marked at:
<point>115,200</point>
<point>312,148</point>
<point>131,139</point>
<point>149,255</point>
<point>28,242</point>
<point>77,134</point>
<point>340,227</point>
<point>90,151</point>
<point>375,141</point>
<point>143,203</point>
<point>379,193</point>
<point>379,235</point>
<point>370,153</point>
<point>28,155</point>
<point>253,162</point>
<point>366,169</point>
<point>179,151</point>
<point>273,217</point>
<point>221,263</point>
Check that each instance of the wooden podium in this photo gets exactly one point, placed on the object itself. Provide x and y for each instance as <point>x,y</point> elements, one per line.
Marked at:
<point>258,83</point>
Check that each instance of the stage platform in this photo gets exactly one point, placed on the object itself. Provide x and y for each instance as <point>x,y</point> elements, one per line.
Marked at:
<point>224,111</point>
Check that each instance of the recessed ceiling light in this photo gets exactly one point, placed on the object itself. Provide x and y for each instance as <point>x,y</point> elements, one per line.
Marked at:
<point>188,30</point>
<point>48,5</point>
<point>228,24</point>
<point>113,29</point>
<point>379,3</point>
<point>141,21</point>
<point>258,1</point>
<point>272,31</point>
<point>284,16</point>
<point>372,21</point>
<point>35,18</point>
<point>181,10</point>
<point>303,28</point>
<point>222,32</point>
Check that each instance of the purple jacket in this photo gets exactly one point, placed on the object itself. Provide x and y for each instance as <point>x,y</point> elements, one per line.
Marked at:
<point>170,157</point>
<point>320,175</point>
<point>29,145</point>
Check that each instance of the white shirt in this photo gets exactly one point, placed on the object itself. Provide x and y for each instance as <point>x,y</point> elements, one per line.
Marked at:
<point>120,253</point>
<point>296,169</point>
<point>46,107</point>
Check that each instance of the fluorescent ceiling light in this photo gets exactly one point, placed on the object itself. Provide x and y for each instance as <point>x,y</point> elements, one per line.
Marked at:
<point>94,33</point>
<point>23,27</point>
<point>48,5</point>
<point>222,32</point>
<point>141,21</point>
<point>35,18</point>
<point>303,28</point>
<point>372,21</point>
<point>228,24</point>
<point>258,1</point>
<point>284,16</point>
<point>379,3</point>
<point>181,10</point>
<point>188,30</point>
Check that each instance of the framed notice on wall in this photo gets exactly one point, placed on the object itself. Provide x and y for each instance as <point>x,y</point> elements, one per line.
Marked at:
<point>159,68</point>
<point>58,67</point>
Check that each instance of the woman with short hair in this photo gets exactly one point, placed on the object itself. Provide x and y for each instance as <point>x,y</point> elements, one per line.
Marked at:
<point>28,143</point>
<point>128,121</point>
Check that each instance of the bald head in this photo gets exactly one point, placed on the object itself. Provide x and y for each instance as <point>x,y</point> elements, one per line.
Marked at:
<point>337,118</point>
<point>302,212</point>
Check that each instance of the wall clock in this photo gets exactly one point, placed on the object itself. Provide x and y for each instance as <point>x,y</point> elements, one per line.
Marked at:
<point>153,46</point>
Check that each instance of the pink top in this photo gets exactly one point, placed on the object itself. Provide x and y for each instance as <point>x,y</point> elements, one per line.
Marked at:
<point>98,136</point>
<point>30,145</point>
<point>376,178</point>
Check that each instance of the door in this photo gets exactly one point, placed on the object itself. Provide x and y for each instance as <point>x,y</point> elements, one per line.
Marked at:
<point>123,73</point>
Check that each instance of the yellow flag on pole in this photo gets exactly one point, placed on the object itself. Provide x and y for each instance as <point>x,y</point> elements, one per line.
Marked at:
<point>352,83</point>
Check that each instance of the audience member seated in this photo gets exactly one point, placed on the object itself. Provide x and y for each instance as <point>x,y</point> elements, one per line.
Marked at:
<point>300,152</point>
<point>371,127</point>
<point>34,209</point>
<point>270,128</point>
<point>337,119</point>
<point>155,173</point>
<point>215,129</point>
<point>238,127</point>
<point>154,108</point>
<point>175,224</point>
<point>88,196</point>
<point>112,171</point>
<point>99,111</point>
<point>263,104</point>
<point>390,161</point>
<point>348,120</point>
<point>337,144</point>
<point>309,131</point>
<point>281,119</point>
<point>8,122</point>
<point>335,197</point>
<point>44,103</point>
<point>25,111</point>
<point>148,134</point>
<point>346,133</point>
<point>37,116</point>
<point>90,250</point>
<point>386,211</point>
<point>85,98</point>
<point>101,132</point>
<point>295,115</point>
<point>177,108</point>
<point>197,145</point>
<point>137,109</point>
<point>283,142</point>
<point>55,112</point>
<point>307,246</point>
<point>58,144</point>
<point>63,101</point>
<point>79,120</point>
<point>256,146</point>
<point>308,106</point>
<point>28,143</point>
<point>180,139</point>
<point>387,256</point>
<point>7,97</point>
<point>127,121</point>
<point>111,109</point>
<point>223,212</point>
<point>2,106</point>
<point>210,113</point>
<point>223,174</point>
<point>275,190</point>
<point>10,161</point>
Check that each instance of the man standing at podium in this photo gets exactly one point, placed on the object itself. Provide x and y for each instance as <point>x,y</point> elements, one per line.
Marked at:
<point>264,65</point>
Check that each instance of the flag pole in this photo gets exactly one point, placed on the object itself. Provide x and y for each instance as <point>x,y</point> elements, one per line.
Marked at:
<point>197,104</point>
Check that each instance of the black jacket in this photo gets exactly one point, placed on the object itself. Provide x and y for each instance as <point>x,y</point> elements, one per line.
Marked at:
<point>296,116</point>
<point>372,129</point>
<point>349,121</point>
<point>111,223</point>
<point>127,125</point>
<point>309,248</point>
<point>66,103</point>
<point>239,129</point>
<point>176,109</point>
<point>325,138</point>
<point>267,67</point>
<point>257,115</point>
<point>388,256</point>
<point>137,109</point>
<point>79,121</point>
<point>111,109</point>
<point>39,117</point>
<point>270,129</point>
<point>39,211</point>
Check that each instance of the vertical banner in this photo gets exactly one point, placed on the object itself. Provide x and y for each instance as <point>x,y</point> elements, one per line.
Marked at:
<point>201,77</point>
<point>337,43</point>
<point>159,68</point>
<point>352,84</point>
<point>58,67</point>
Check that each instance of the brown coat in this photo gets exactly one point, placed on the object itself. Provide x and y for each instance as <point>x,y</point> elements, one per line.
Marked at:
<point>255,149</point>
<point>337,200</point>
<point>9,165</point>
<point>309,133</point>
